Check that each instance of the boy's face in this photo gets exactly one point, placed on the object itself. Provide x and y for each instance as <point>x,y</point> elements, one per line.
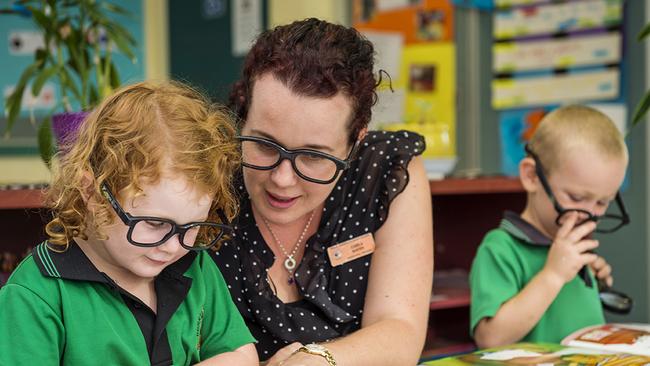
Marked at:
<point>172,199</point>
<point>586,181</point>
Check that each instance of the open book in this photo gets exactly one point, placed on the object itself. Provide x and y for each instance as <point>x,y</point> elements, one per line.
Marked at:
<point>602,345</point>
<point>628,338</point>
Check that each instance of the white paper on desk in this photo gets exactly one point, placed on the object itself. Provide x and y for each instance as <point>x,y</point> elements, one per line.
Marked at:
<point>389,108</point>
<point>245,24</point>
<point>388,46</point>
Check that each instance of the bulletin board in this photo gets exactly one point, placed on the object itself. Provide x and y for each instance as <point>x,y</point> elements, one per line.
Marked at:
<point>201,44</point>
<point>548,54</point>
<point>415,46</point>
<point>17,44</point>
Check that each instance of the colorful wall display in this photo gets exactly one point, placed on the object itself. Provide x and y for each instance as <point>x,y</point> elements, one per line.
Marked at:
<point>421,93</point>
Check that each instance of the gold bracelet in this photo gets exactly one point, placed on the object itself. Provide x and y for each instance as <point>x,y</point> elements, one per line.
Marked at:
<point>318,350</point>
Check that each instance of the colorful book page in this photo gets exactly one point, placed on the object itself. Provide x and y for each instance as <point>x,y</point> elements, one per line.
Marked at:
<point>541,354</point>
<point>556,18</point>
<point>564,88</point>
<point>586,50</point>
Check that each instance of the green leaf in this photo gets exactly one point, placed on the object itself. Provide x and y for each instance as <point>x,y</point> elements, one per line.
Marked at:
<point>115,8</point>
<point>42,20</point>
<point>115,77</point>
<point>123,32</point>
<point>121,42</point>
<point>13,102</point>
<point>40,55</point>
<point>45,144</point>
<point>93,96</point>
<point>68,83</point>
<point>644,33</point>
<point>641,109</point>
<point>41,78</point>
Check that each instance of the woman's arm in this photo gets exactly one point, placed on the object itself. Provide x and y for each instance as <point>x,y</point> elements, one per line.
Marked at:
<point>245,355</point>
<point>396,307</point>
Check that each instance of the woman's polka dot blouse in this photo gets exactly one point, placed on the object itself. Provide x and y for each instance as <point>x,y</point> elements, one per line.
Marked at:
<point>333,297</point>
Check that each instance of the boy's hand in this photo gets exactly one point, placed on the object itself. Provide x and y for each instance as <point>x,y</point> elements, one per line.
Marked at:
<point>602,270</point>
<point>570,251</point>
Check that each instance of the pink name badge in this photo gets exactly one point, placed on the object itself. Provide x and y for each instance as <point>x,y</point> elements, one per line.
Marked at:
<point>350,250</point>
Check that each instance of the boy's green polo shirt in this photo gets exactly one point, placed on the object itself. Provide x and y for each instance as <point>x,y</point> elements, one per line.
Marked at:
<point>507,260</point>
<point>57,308</point>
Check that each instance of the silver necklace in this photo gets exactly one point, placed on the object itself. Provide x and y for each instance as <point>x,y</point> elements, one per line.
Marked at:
<point>290,262</point>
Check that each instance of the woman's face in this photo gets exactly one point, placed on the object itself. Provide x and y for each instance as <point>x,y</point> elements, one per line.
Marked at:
<point>294,122</point>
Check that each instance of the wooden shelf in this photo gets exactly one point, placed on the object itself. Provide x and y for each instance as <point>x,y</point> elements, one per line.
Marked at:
<point>447,298</point>
<point>451,186</point>
<point>21,198</point>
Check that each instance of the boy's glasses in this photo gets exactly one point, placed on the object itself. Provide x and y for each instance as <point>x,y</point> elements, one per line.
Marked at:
<point>146,231</point>
<point>311,165</point>
<point>607,223</point>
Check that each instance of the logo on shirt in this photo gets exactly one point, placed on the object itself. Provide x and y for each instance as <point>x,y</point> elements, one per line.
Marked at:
<point>199,326</point>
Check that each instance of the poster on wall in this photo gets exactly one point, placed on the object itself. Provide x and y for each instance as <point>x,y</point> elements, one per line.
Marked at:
<point>517,126</point>
<point>246,24</point>
<point>421,93</point>
<point>552,53</point>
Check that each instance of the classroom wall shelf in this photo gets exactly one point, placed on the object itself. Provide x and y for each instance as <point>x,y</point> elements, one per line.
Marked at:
<point>20,198</point>
<point>464,210</point>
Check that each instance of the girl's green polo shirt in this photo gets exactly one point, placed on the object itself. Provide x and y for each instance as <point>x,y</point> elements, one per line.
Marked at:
<point>507,259</point>
<point>57,308</point>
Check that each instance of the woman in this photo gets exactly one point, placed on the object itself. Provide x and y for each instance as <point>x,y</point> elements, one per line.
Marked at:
<point>334,239</point>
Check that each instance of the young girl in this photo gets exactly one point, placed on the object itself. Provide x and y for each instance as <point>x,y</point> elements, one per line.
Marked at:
<point>124,278</point>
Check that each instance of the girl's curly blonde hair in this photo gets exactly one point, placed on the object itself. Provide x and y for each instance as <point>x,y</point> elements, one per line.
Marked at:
<point>129,139</point>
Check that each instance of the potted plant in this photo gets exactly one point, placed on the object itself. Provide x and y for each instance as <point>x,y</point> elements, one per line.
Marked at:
<point>79,39</point>
<point>644,104</point>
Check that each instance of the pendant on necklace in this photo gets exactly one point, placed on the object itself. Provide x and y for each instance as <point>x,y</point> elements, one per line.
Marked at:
<point>290,280</point>
<point>290,263</point>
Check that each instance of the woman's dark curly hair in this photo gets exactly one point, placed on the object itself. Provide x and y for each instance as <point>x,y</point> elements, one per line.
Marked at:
<point>313,58</point>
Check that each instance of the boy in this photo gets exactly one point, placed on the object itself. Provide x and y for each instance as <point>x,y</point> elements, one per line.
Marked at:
<point>124,278</point>
<point>527,279</point>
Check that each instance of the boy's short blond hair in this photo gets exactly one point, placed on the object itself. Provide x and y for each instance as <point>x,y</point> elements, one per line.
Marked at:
<point>576,126</point>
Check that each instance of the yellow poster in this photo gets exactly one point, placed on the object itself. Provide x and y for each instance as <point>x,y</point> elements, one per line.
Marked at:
<point>428,77</point>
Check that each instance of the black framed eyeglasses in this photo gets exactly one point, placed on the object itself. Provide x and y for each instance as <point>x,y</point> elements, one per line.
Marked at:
<point>607,223</point>
<point>311,165</point>
<point>148,231</point>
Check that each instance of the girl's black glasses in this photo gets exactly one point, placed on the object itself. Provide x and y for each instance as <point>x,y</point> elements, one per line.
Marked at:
<point>147,231</point>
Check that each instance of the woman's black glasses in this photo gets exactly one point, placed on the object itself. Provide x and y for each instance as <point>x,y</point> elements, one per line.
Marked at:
<point>311,165</point>
<point>607,223</point>
<point>146,231</point>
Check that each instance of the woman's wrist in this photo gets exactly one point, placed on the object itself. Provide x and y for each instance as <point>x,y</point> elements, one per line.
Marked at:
<point>317,350</point>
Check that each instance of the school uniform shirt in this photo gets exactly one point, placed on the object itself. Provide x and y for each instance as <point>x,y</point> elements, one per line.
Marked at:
<point>333,297</point>
<point>58,309</point>
<point>507,260</point>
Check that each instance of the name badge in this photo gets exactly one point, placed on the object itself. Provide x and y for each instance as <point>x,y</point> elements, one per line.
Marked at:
<point>350,250</point>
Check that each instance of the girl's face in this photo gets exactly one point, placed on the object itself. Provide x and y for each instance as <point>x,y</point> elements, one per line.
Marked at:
<point>294,122</point>
<point>173,199</point>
